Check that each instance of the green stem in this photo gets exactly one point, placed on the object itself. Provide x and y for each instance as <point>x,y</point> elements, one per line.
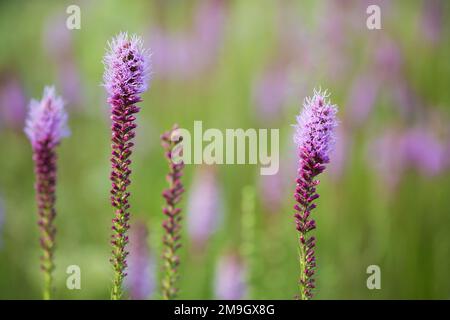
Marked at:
<point>169,291</point>
<point>302,278</point>
<point>248,237</point>
<point>47,285</point>
<point>118,256</point>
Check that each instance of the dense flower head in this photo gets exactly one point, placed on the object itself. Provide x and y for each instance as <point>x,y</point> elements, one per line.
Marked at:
<point>127,67</point>
<point>47,119</point>
<point>314,130</point>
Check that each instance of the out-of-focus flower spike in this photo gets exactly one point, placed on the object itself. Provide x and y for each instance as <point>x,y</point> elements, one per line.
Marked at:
<point>204,206</point>
<point>230,278</point>
<point>171,142</point>
<point>46,125</point>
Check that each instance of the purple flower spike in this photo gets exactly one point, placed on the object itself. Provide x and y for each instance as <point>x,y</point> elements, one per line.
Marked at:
<point>170,141</point>
<point>141,280</point>
<point>315,139</point>
<point>204,207</point>
<point>12,102</point>
<point>230,278</point>
<point>45,126</point>
<point>127,72</point>
<point>432,20</point>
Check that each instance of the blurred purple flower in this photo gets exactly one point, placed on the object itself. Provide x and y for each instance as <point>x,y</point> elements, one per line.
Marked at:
<point>405,98</point>
<point>270,93</point>
<point>57,37</point>
<point>59,47</point>
<point>12,102</point>
<point>187,54</point>
<point>334,37</point>
<point>47,121</point>
<point>388,61</point>
<point>204,206</point>
<point>230,278</point>
<point>45,126</point>
<point>390,75</point>
<point>273,188</point>
<point>272,191</point>
<point>387,157</point>
<point>71,83</point>
<point>209,25</point>
<point>447,154</point>
<point>362,97</point>
<point>277,84</point>
<point>416,148</point>
<point>424,151</point>
<point>432,20</point>
<point>339,155</point>
<point>141,272</point>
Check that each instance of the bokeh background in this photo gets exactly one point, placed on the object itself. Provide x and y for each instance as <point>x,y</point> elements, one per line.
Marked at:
<point>238,64</point>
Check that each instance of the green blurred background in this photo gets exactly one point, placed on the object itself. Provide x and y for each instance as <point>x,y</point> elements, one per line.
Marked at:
<point>239,64</point>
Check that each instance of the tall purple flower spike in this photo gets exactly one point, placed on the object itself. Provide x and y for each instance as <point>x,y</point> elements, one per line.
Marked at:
<point>170,141</point>
<point>45,126</point>
<point>315,138</point>
<point>230,277</point>
<point>204,207</point>
<point>126,77</point>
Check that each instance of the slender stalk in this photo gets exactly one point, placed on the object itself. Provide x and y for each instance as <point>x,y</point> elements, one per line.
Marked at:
<point>45,170</point>
<point>248,245</point>
<point>123,131</point>
<point>172,225</point>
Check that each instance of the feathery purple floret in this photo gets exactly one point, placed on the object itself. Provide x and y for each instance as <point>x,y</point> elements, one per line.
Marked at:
<point>315,126</point>
<point>47,120</point>
<point>315,139</point>
<point>127,67</point>
<point>127,71</point>
<point>45,126</point>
